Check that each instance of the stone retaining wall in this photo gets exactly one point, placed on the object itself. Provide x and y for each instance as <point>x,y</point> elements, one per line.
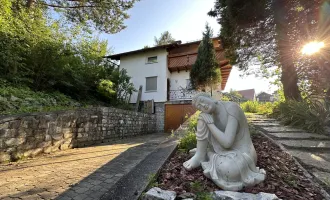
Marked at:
<point>30,134</point>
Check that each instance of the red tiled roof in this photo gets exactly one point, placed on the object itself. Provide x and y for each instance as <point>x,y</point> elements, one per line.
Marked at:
<point>247,94</point>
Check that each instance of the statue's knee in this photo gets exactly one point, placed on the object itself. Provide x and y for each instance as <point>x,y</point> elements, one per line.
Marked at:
<point>230,170</point>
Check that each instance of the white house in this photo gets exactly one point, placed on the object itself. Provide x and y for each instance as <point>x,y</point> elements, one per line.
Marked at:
<point>163,73</point>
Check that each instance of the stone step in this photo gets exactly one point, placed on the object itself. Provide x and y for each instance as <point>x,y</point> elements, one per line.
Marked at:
<point>266,124</point>
<point>312,160</point>
<point>314,145</point>
<point>323,177</point>
<point>277,129</point>
<point>132,185</point>
<point>295,136</point>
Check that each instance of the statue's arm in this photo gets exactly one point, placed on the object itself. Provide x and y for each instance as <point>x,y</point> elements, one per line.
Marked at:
<point>227,138</point>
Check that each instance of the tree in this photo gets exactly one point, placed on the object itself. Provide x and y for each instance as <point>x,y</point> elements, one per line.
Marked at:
<point>165,38</point>
<point>103,15</point>
<point>206,71</point>
<point>258,31</point>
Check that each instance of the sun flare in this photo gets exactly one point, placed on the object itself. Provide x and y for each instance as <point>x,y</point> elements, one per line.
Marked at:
<point>312,47</point>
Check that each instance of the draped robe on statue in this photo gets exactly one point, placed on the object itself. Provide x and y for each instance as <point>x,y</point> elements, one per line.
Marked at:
<point>235,167</point>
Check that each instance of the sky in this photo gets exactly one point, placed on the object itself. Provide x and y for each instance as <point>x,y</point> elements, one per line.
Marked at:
<point>185,20</point>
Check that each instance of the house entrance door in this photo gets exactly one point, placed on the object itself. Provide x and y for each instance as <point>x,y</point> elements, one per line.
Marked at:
<point>176,114</point>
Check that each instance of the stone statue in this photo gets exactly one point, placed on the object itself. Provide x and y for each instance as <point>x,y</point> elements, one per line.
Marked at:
<point>224,147</point>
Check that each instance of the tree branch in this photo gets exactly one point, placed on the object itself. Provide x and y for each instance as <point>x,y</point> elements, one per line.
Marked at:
<point>69,7</point>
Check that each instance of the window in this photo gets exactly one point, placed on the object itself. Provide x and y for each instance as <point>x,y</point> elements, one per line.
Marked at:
<point>151,84</point>
<point>152,59</point>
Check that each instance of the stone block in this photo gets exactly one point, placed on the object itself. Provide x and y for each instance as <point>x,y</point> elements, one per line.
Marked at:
<point>32,122</point>
<point>35,152</point>
<point>58,136</point>
<point>156,193</point>
<point>2,144</point>
<point>40,132</point>
<point>68,134</point>
<point>14,124</point>
<point>51,149</point>
<point>44,144</point>
<point>48,138</point>
<point>66,146</point>
<point>298,136</point>
<point>322,176</point>
<point>306,144</point>
<point>4,125</point>
<point>14,141</point>
<point>4,157</point>
<point>312,160</point>
<point>26,146</point>
<point>81,130</point>
<point>228,195</point>
<point>58,129</point>
<point>52,128</point>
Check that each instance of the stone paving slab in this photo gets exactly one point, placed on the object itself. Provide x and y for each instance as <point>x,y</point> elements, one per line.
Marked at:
<point>297,136</point>
<point>131,186</point>
<point>307,144</point>
<point>311,160</point>
<point>266,124</point>
<point>324,177</point>
<point>276,129</point>
<point>83,173</point>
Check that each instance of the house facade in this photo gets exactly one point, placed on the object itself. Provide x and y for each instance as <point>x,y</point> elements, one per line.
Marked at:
<point>163,73</point>
<point>265,97</point>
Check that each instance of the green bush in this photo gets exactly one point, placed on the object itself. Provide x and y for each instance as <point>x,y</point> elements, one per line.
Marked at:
<point>22,99</point>
<point>312,116</point>
<point>250,106</point>
<point>258,107</point>
<point>106,88</point>
<point>189,141</point>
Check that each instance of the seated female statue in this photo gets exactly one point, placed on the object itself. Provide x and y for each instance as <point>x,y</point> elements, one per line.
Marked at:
<point>224,147</point>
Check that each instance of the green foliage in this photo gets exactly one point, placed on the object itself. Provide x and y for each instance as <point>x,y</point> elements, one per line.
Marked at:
<point>189,141</point>
<point>205,71</point>
<point>165,38</point>
<point>21,99</point>
<point>204,196</point>
<point>310,115</point>
<point>258,107</point>
<point>107,16</point>
<point>105,88</point>
<point>199,189</point>
<point>48,56</point>
<point>192,125</point>
<point>152,179</point>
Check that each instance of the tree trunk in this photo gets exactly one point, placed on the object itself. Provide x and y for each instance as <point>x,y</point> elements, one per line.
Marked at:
<point>289,77</point>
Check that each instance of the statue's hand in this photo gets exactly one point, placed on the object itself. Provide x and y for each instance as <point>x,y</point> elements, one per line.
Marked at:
<point>207,118</point>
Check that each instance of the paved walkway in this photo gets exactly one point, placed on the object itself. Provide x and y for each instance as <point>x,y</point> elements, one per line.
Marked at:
<point>311,150</point>
<point>84,173</point>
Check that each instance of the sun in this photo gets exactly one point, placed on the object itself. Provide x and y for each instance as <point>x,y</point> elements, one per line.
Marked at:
<point>312,47</point>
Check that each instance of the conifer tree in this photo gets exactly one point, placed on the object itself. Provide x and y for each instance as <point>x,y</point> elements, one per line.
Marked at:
<point>206,71</point>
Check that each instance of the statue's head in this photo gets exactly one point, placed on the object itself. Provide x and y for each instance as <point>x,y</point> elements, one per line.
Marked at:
<point>203,102</point>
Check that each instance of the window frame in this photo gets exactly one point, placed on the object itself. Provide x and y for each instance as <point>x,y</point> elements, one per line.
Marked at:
<point>156,84</point>
<point>147,59</point>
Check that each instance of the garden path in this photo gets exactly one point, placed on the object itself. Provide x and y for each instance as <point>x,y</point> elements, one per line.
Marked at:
<point>312,151</point>
<point>82,173</point>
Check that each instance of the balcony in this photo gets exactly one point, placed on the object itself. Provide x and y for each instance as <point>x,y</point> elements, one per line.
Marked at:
<point>182,94</point>
<point>184,61</point>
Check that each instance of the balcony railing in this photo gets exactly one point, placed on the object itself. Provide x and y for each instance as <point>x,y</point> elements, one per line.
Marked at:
<point>182,94</point>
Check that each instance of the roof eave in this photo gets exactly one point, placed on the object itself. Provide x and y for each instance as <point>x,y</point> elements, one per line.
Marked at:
<point>117,56</point>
